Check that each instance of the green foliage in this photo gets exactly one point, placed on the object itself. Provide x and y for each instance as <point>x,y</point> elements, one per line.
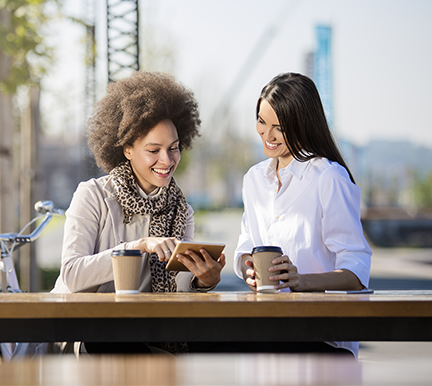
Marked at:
<point>184,162</point>
<point>48,277</point>
<point>422,190</point>
<point>22,41</point>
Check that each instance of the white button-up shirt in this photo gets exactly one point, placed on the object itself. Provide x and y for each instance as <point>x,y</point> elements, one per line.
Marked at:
<point>314,217</point>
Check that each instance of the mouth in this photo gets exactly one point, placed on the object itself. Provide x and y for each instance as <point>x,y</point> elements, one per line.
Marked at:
<point>272,146</point>
<point>162,172</point>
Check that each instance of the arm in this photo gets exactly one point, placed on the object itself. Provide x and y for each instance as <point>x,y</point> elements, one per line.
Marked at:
<point>243,265</point>
<point>83,267</point>
<point>342,236</point>
<point>335,280</point>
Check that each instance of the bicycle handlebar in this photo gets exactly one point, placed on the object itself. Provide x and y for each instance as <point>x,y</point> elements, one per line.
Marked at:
<point>46,210</point>
<point>43,207</point>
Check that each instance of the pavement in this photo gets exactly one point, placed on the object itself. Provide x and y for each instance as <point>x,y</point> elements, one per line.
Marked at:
<point>391,269</point>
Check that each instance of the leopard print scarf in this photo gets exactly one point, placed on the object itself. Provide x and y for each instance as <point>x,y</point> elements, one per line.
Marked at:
<point>168,218</point>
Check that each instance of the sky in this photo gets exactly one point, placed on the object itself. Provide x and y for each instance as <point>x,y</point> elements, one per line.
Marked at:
<point>381,54</point>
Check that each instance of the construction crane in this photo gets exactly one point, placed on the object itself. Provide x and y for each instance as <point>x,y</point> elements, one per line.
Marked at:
<point>122,38</point>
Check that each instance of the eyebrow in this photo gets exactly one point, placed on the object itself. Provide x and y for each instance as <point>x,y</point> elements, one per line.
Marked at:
<point>158,144</point>
<point>260,117</point>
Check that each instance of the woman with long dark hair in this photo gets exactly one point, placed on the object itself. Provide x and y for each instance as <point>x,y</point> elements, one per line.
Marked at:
<point>303,198</point>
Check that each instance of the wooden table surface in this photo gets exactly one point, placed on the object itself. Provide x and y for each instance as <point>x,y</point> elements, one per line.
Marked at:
<point>203,370</point>
<point>215,305</point>
<point>224,316</point>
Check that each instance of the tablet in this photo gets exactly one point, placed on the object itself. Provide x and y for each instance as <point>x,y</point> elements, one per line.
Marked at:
<point>214,249</point>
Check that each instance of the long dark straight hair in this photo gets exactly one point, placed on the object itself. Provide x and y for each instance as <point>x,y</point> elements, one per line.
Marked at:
<point>297,104</point>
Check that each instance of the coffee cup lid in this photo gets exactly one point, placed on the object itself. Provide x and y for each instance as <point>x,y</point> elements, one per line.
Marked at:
<point>126,252</point>
<point>267,248</point>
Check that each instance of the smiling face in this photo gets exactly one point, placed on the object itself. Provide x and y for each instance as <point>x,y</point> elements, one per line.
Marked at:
<point>270,131</point>
<point>155,157</point>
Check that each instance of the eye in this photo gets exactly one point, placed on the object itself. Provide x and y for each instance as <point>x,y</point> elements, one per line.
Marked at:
<point>153,151</point>
<point>279,129</point>
<point>174,148</point>
<point>260,120</point>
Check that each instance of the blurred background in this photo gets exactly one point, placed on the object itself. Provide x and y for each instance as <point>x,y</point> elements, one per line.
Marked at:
<point>371,60</point>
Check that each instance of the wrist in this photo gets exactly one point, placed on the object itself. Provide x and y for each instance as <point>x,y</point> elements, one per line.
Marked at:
<point>197,283</point>
<point>140,244</point>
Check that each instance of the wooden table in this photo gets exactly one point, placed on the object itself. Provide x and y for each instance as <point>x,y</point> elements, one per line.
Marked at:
<point>224,316</point>
<point>203,370</point>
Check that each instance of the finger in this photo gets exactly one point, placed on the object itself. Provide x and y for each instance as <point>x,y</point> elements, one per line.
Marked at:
<point>167,251</point>
<point>291,283</point>
<point>222,260</point>
<point>171,243</point>
<point>250,272</point>
<point>281,277</point>
<point>251,282</point>
<point>281,267</point>
<point>281,259</point>
<point>249,263</point>
<point>283,285</point>
<point>186,261</point>
<point>195,257</point>
<point>160,252</point>
<point>207,257</point>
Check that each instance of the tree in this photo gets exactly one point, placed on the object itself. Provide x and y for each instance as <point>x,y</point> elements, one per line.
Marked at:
<point>422,190</point>
<point>22,44</point>
<point>24,59</point>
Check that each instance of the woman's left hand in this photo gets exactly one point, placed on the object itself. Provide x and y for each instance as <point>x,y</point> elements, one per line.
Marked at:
<point>288,275</point>
<point>207,271</point>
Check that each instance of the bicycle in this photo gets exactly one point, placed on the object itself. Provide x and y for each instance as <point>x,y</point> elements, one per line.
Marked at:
<point>10,242</point>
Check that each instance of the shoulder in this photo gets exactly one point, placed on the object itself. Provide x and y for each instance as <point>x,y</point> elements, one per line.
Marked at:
<point>259,169</point>
<point>190,211</point>
<point>328,170</point>
<point>102,185</point>
<point>333,179</point>
<point>93,191</point>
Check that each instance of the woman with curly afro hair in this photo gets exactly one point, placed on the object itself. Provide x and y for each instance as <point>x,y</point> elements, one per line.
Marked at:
<point>136,134</point>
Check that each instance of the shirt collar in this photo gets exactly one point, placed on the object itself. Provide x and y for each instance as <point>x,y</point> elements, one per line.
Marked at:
<point>295,167</point>
<point>154,194</point>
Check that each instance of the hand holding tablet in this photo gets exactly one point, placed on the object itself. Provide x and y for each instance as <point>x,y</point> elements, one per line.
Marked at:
<point>214,250</point>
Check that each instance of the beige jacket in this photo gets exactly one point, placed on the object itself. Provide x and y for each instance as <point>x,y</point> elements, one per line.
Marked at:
<point>93,229</point>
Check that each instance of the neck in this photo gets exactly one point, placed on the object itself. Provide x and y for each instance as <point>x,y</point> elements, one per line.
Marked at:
<point>283,162</point>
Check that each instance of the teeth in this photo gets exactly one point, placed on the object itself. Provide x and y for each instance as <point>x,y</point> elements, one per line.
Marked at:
<point>162,171</point>
<point>271,144</point>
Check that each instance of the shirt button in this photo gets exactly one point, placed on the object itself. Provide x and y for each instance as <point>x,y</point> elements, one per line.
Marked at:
<point>145,219</point>
<point>277,217</point>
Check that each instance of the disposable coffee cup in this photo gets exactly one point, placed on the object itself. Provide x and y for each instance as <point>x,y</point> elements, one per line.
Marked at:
<point>127,270</point>
<point>262,258</point>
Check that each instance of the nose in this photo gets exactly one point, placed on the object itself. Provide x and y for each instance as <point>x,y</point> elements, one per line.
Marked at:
<point>165,157</point>
<point>267,133</point>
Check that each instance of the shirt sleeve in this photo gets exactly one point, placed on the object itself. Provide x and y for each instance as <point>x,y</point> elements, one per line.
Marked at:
<point>190,225</point>
<point>82,268</point>
<point>342,230</point>
<point>245,243</point>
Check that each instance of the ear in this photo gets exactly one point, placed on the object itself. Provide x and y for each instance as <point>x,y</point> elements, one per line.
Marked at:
<point>127,152</point>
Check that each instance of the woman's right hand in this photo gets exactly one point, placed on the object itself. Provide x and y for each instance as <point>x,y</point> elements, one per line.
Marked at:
<point>162,246</point>
<point>249,272</point>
